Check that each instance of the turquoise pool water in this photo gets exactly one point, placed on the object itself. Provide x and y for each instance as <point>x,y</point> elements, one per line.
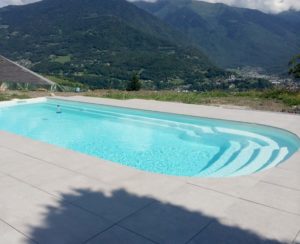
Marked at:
<point>156,142</point>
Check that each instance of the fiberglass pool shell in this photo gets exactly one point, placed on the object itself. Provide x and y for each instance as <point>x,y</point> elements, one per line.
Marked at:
<point>151,141</point>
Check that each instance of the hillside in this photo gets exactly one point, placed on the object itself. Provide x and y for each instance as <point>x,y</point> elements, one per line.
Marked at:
<point>100,43</point>
<point>231,36</point>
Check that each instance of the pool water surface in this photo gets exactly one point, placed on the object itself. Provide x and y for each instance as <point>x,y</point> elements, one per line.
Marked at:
<point>156,142</point>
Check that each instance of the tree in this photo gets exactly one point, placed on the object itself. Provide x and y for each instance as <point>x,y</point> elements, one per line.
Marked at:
<point>134,84</point>
<point>295,66</point>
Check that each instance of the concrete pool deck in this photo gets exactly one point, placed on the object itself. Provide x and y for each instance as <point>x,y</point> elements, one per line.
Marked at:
<point>50,195</point>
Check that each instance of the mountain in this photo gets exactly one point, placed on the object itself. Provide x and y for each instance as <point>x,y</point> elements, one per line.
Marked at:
<point>100,43</point>
<point>232,36</point>
<point>292,17</point>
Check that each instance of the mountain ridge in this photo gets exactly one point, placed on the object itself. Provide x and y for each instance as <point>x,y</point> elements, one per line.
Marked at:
<point>98,42</point>
<point>232,36</point>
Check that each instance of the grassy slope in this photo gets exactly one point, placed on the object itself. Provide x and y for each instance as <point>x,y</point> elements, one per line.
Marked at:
<point>271,100</point>
<point>10,96</point>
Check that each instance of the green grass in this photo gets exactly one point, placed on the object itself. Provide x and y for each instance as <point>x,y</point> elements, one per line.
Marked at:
<point>7,97</point>
<point>65,82</point>
<point>286,97</point>
<point>274,100</point>
<point>62,59</point>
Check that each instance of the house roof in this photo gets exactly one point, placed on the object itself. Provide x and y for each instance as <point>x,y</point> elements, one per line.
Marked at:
<point>15,73</point>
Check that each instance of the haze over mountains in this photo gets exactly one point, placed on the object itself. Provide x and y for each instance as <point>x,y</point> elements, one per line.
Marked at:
<point>233,37</point>
<point>169,42</point>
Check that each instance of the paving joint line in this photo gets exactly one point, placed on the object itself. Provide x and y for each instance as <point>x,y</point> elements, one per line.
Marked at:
<point>264,205</point>
<point>28,237</point>
<point>294,240</point>
<point>136,233</point>
<point>201,230</point>
<point>213,190</point>
<point>279,185</point>
<point>58,166</point>
<point>59,198</point>
<point>97,234</point>
<point>93,213</point>
<point>244,199</point>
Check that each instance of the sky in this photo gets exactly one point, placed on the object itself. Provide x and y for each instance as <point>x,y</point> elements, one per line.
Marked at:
<point>269,6</point>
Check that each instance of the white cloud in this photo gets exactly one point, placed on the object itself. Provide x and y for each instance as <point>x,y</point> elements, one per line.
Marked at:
<point>15,2</point>
<point>274,6</point>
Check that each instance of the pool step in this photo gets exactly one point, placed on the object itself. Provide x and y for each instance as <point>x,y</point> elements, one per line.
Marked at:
<point>242,158</point>
<point>190,128</point>
<point>223,159</point>
<point>263,157</point>
<point>282,153</point>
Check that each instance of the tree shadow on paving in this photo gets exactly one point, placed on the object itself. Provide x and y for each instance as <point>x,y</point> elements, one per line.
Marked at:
<point>86,216</point>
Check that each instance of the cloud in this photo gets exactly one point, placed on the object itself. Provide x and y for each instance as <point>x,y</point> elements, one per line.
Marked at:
<point>15,2</point>
<point>273,6</point>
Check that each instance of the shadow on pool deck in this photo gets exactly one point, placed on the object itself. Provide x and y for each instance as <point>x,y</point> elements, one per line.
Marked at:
<point>155,222</point>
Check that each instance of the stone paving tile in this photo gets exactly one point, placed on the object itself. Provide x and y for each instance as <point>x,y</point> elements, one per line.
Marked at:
<point>247,222</point>
<point>234,186</point>
<point>283,177</point>
<point>45,218</point>
<point>293,163</point>
<point>108,201</point>
<point>109,172</point>
<point>182,215</point>
<point>66,158</point>
<point>46,152</point>
<point>218,232</point>
<point>41,173</point>
<point>297,239</point>
<point>20,143</point>
<point>274,196</point>
<point>151,185</point>
<point>19,163</point>
<point>117,235</point>
<point>9,235</point>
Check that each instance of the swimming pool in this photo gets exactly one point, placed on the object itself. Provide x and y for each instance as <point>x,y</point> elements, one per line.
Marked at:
<point>151,141</point>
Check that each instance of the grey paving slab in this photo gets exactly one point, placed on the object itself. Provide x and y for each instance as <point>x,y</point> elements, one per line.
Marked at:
<point>292,164</point>
<point>19,143</point>
<point>182,215</point>
<point>109,172</point>
<point>17,163</point>
<point>234,186</point>
<point>46,152</point>
<point>221,233</point>
<point>45,218</point>
<point>297,239</point>
<point>110,202</point>
<point>9,235</point>
<point>252,222</point>
<point>151,185</point>
<point>117,235</point>
<point>40,172</point>
<point>283,177</point>
<point>65,158</point>
<point>275,196</point>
